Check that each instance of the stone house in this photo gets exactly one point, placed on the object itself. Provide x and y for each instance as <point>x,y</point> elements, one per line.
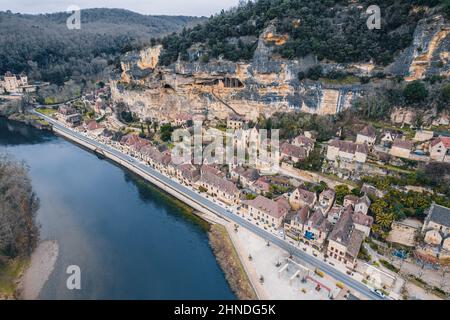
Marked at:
<point>326,199</point>
<point>266,211</point>
<point>440,149</point>
<point>294,223</point>
<point>368,136</point>
<point>316,230</point>
<point>300,198</point>
<point>401,148</point>
<point>219,187</point>
<point>363,205</point>
<point>292,153</point>
<point>246,177</point>
<point>187,173</point>
<point>345,241</point>
<point>305,142</point>
<point>339,150</point>
<point>235,122</point>
<point>436,232</point>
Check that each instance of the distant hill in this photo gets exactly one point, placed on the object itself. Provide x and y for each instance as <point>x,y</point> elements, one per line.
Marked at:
<point>42,45</point>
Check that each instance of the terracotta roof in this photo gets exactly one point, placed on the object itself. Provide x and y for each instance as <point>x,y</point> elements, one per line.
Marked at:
<point>219,182</point>
<point>302,215</point>
<point>344,232</point>
<point>444,140</point>
<point>272,208</point>
<point>402,144</point>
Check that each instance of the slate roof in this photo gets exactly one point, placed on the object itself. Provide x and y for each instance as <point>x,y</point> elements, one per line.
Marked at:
<point>439,214</point>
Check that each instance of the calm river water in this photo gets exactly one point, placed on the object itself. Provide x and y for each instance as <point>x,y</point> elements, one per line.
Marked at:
<point>130,240</point>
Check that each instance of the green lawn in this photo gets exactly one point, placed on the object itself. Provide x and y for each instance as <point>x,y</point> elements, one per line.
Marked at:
<point>46,111</point>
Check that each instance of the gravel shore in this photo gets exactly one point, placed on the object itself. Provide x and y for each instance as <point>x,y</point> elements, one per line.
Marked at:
<point>41,267</point>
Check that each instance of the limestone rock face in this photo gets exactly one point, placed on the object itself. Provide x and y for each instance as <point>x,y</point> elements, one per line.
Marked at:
<point>429,52</point>
<point>268,83</point>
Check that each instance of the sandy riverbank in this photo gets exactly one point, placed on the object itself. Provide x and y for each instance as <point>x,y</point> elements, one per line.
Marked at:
<point>42,263</point>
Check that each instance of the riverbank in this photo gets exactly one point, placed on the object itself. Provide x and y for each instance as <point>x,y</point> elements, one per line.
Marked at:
<point>41,266</point>
<point>229,261</point>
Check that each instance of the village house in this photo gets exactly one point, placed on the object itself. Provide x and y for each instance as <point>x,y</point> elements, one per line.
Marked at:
<point>12,83</point>
<point>305,142</point>
<point>155,158</point>
<point>94,127</point>
<point>235,122</point>
<point>362,222</point>
<point>363,205</point>
<point>368,136</point>
<point>261,186</point>
<point>269,212</point>
<point>294,223</point>
<point>436,232</point>
<point>218,187</point>
<point>316,230</point>
<point>345,241</point>
<point>300,198</point>
<point>293,154</point>
<point>67,110</point>
<point>182,119</point>
<point>244,177</point>
<point>74,120</point>
<point>423,135</point>
<point>350,200</point>
<point>326,199</point>
<point>401,148</point>
<point>440,149</point>
<point>388,138</point>
<point>188,174</point>
<point>347,151</point>
<point>335,214</point>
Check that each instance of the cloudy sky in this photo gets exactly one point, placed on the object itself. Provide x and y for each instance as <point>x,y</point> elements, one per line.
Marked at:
<point>169,7</point>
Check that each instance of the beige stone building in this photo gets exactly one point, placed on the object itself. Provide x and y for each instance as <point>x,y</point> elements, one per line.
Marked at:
<point>300,198</point>
<point>219,187</point>
<point>345,241</point>
<point>401,148</point>
<point>440,149</point>
<point>368,136</point>
<point>266,212</point>
<point>436,233</point>
<point>347,151</point>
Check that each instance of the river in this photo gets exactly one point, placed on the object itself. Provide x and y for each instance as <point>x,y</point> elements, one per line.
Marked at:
<point>130,240</point>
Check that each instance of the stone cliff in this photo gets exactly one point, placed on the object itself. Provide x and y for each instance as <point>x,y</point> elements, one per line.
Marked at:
<point>267,84</point>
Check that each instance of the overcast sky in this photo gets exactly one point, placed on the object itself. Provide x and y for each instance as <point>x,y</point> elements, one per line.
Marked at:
<point>169,7</point>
